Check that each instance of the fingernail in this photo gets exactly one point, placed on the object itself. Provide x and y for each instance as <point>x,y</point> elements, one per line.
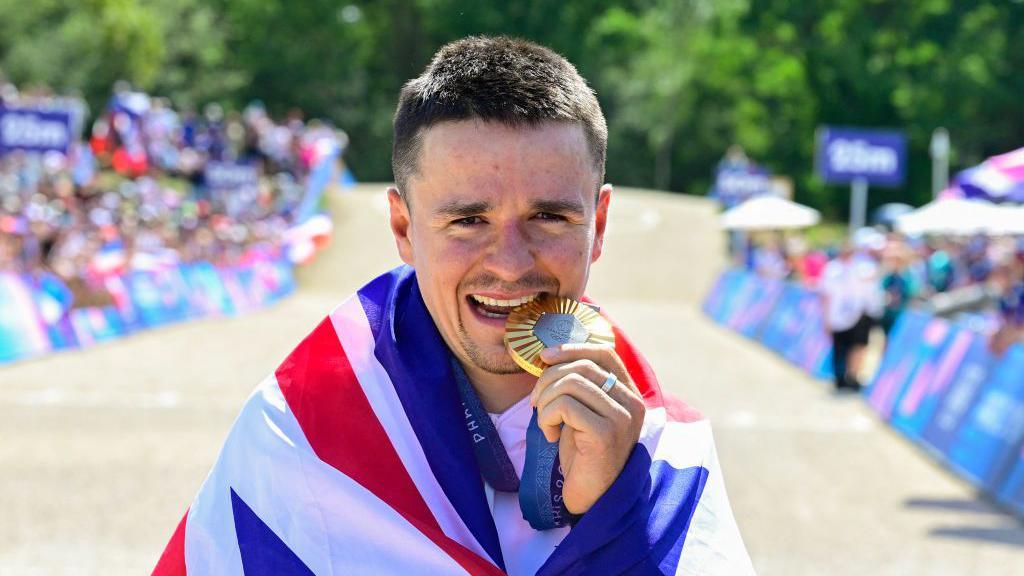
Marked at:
<point>549,353</point>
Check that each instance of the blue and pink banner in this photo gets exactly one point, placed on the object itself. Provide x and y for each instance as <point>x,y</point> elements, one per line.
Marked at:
<point>959,395</point>
<point>783,316</point>
<point>938,382</point>
<point>37,318</point>
<point>22,331</point>
<point>1012,491</point>
<point>912,363</point>
<point>991,434</point>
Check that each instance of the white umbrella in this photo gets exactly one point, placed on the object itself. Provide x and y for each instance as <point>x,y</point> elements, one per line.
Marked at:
<point>955,216</point>
<point>769,213</point>
<point>1007,219</point>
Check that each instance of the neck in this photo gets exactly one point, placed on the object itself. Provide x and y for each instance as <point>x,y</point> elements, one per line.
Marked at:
<point>499,392</point>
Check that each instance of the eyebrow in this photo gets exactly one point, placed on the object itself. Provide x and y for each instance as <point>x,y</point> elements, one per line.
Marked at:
<point>570,207</point>
<point>457,209</point>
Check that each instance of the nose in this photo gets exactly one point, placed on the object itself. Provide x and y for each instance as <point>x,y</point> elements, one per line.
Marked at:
<point>511,256</point>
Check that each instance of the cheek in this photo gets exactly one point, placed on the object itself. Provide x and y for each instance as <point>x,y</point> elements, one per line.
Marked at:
<point>569,253</point>
<point>444,260</point>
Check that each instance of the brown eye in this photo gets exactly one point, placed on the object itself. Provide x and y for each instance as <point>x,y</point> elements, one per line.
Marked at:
<point>549,216</point>
<point>468,221</point>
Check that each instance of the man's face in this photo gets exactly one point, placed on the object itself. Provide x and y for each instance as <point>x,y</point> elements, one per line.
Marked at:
<point>496,216</point>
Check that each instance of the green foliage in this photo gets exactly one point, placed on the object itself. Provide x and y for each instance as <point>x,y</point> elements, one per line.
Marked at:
<point>680,80</point>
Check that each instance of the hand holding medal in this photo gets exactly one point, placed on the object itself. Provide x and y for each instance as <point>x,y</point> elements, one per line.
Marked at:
<point>587,409</point>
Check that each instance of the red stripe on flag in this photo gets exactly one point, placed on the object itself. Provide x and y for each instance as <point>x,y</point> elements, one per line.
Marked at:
<point>172,561</point>
<point>326,398</point>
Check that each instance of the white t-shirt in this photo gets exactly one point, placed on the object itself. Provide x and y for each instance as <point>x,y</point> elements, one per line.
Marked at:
<point>523,548</point>
<point>852,289</point>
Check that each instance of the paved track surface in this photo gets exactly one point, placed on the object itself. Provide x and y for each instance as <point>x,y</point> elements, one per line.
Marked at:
<point>101,451</point>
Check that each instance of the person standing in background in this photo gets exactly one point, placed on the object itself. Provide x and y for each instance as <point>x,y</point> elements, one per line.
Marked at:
<point>898,283</point>
<point>848,289</point>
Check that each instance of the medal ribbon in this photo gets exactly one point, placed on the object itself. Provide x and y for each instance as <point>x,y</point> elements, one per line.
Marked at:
<point>540,491</point>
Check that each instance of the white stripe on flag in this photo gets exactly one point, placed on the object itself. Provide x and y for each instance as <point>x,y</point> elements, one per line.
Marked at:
<point>334,525</point>
<point>713,544</point>
<point>353,329</point>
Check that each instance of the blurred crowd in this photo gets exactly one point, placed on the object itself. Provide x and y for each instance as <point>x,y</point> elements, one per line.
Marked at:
<point>871,278</point>
<point>134,193</point>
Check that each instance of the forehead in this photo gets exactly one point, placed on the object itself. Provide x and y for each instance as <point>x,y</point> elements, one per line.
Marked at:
<point>474,159</point>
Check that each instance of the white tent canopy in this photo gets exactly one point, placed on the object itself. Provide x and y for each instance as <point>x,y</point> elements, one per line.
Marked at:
<point>1008,219</point>
<point>769,213</point>
<point>958,216</point>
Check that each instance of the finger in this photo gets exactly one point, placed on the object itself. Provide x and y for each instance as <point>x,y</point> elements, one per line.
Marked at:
<point>570,412</point>
<point>589,394</point>
<point>552,374</point>
<point>603,356</point>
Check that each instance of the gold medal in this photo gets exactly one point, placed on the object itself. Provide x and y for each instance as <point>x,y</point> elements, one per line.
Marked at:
<point>549,321</point>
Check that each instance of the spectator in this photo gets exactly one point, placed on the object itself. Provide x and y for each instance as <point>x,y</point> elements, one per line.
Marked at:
<point>59,222</point>
<point>848,290</point>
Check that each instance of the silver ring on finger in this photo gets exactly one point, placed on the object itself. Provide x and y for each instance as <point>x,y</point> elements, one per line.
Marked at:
<point>609,382</point>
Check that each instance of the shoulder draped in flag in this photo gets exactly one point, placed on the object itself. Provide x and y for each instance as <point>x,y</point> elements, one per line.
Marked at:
<point>352,458</point>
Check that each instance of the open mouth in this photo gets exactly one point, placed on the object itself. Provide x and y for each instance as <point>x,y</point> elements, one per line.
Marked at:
<point>497,308</point>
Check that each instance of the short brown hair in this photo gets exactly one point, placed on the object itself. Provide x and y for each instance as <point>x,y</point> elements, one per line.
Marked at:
<point>499,79</point>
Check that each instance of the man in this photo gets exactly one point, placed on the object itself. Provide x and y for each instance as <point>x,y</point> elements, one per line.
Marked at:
<point>850,293</point>
<point>370,452</point>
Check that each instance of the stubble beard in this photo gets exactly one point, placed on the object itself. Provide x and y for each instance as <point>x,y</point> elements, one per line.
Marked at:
<point>500,364</point>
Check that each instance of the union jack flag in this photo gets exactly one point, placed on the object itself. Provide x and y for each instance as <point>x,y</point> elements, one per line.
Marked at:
<point>352,458</point>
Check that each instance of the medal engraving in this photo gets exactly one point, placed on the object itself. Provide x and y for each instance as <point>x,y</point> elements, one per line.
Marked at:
<point>552,321</point>
<point>555,329</point>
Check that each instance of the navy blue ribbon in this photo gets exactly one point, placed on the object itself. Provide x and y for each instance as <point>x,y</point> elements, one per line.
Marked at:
<point>540,491</point>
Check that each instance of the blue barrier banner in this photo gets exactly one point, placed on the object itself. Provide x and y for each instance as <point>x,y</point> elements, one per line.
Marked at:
<point>715,299</point>
<point>994,427</point>
<point>149,304</point>
<point>720,302</point>
<point>62,334</point>
<point>761,308</point>
<point>119,289</point>
<point>274,277</point>
<point>22,332</point>
<point>906,349</point>
<point>902,337</point>
<point>962,392</point>
<point>784,325</point>
<point>813,349</point>
<point>320,176</point>
<point>206,293</point>
<point>236,291</point>
<point>53,301</point>
<point>927,388</point>
<point>255,293</point>
<point>95,325</point>
<point>743,296</point>
<point>174,293</point>
<point>35,314</point>
<point>1011,493</point>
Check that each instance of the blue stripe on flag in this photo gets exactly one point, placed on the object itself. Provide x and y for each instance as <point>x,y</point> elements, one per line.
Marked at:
<point>638,526</point>
<point>409,347</point>
<point>263,553</point>
<point>674,490</point>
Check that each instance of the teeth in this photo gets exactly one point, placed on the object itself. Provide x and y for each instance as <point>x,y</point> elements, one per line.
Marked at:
<point>503,303</point>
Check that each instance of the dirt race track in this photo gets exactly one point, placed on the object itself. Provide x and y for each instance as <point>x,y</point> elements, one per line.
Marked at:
<point>102,450</point>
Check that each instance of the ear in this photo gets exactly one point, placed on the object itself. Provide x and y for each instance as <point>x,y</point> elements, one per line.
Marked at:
<point>604,198</point>
<point>401,224</point>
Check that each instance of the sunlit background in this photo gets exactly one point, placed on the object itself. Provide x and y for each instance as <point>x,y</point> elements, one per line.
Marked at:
<point>187,187</point>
